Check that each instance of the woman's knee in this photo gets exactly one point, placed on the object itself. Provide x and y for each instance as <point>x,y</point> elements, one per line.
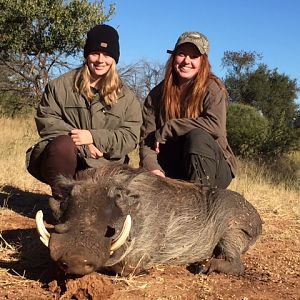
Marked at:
<point>199,141</point>
<point>62,145</point>
<point>198,133</point>
<point>59,157</point>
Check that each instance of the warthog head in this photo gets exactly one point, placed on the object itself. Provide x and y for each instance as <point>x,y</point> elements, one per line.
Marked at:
<point>91,225</point>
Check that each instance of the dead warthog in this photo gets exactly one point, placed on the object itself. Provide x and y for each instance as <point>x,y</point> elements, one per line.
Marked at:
<point>128,220</point>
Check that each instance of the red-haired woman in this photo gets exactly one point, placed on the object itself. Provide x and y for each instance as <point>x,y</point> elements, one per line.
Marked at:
<point>184,119</point>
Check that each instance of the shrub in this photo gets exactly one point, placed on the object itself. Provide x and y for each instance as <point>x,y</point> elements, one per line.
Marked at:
<point>280,139</point>
<point>247,129</point>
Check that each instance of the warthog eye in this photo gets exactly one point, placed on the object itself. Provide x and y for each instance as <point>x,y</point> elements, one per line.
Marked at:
<point>110,232</point>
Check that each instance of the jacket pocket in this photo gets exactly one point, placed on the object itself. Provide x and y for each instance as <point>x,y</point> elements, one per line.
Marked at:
<point>112,120</point>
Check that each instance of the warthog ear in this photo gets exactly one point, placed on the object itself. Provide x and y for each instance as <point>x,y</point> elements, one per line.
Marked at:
<point>58,207</point>
<point>63,186</point>
<point>126,199</point>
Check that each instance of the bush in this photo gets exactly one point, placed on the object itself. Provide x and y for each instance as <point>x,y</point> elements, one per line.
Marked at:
<point>280,139</point>
<point>13,105</point>
<point>247,129</point>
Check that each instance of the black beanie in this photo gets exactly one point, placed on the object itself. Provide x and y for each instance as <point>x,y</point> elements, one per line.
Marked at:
<point>103,38</point>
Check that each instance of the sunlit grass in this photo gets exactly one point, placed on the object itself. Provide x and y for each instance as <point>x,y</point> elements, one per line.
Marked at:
<point>17,136</point>
<point>268,189</point>
<point>266,193</point>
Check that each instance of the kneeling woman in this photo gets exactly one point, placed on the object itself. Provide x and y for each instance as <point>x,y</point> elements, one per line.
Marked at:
<point>87,117</point>
<point>184,119</point>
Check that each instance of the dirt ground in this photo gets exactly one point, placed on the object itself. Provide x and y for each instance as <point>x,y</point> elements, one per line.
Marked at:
<point>26,272</point>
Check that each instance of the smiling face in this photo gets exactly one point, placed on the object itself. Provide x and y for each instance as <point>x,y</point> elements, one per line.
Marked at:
<point>186,62</point>
<point>99,64</point>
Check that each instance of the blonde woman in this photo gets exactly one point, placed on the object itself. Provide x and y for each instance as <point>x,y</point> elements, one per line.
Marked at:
<point>184,119</point>
<point>87,116</point>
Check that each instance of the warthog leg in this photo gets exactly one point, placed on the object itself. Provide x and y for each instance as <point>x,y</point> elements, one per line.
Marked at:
<point>226,255</point>
<point>218,265</point>
<point>224,266</point>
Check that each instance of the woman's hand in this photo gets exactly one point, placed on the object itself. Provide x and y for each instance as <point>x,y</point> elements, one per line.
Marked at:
<point>156,147</point>
<point>95,152</point>
<point>81,137</point>
<point>158,173</point>
<point>84,137</point>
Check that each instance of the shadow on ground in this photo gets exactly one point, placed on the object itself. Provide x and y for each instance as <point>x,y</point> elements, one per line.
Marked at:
<point>25,203</point>
<point>31,258</point>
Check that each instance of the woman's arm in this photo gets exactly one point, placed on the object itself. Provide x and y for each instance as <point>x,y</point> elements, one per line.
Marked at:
<point>212,119</point>
<point>48,118</point>
<point>118,142</point>
<point>148,149</point>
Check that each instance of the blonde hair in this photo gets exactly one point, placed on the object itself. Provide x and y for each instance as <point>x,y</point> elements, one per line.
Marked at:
<point>188,104</point>
<point>109,86</point>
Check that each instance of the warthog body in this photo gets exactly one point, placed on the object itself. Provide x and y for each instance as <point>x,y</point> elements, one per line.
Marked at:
<point>173,222</point>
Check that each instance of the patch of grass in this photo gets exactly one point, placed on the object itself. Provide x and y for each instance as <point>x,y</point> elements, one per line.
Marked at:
<point>17,136</point>
<point>265,189</point>
<point>269,186</point>
<point>8,251</point>
<point>134,159</point>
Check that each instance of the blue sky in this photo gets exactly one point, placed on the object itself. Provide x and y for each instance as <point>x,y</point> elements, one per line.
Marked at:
<point>147,28</point>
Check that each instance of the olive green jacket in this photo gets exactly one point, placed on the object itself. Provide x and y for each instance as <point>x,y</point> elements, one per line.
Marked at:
<point>212,119</point>
<point>115,129</point>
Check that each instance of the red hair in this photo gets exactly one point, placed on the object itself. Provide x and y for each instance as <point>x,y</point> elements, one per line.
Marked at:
<point>189,104</point>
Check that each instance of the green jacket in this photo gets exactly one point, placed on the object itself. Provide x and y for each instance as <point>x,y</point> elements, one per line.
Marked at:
<point>115,129</point>
<point>212,119</point>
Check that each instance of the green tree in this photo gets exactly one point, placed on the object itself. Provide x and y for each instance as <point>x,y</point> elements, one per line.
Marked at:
<point>272,93</point>
<point>238,64</point>
<point>12,102</point>
<point>39,36</point>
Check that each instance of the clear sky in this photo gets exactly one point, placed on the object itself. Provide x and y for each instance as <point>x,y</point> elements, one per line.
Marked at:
<point>147,28</point>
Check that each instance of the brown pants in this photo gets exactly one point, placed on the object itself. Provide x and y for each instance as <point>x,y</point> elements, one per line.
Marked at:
<point>60,157</point>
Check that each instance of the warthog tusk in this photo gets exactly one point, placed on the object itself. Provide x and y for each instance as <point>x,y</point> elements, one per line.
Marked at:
<point>43,232</point>
<point>116,244</point>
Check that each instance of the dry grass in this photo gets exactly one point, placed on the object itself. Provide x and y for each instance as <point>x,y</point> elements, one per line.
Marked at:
<point>8,280</point>
<point>265,192</point>
<point>17,136</point>
<point>8,251</point>
<point>265,188</point>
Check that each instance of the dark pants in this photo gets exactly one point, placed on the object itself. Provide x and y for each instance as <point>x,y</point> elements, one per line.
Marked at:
<point>60,158</point>
<point>195,157</point>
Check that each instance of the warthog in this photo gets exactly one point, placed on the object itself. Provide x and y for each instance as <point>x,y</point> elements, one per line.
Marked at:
<point>128,220</point>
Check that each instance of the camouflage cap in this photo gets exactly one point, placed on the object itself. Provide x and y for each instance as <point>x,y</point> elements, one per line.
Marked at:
<point>196,38</point>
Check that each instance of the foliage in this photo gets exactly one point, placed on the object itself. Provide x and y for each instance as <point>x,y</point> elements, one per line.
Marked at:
<point>13,105</point>
<point>247,129</point>
<point>273,93</point>
<point>280,139</point>
<point>37,37</point>
<point>270,92</point>
<point>252,135</point>
<point>238,65</point>
<point>239,62</point>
